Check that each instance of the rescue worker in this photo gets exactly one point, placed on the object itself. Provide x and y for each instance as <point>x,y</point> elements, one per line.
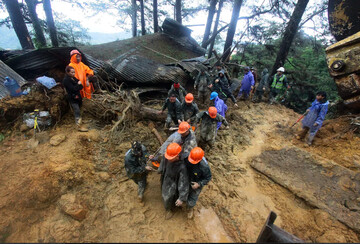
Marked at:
<point>174,114</point>
<point>189,109</point>
<point>83,73</point>
<point>225,86</point>
<point>136,168</point>
<point>202,84</point>
<point>178,90</point>
<point>279,85</point>
<point>175,187</point>
<point>73,87</point>
<point>263,84</point>
<point>315,117</point>
<point>216,87</point>
<point>247,84</point>
<point>209,121</point>
<point>219,105</point>
<point>184,136</point>
<point>199,175</point>
<point>253,72</point>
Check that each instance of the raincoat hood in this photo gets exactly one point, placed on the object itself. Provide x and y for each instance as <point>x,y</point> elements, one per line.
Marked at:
<point>221,72</point>
<point>264,72</point>
<point>74,60</point>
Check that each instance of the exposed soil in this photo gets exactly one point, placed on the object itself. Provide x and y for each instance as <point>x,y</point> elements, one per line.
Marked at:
<point>78,191</point>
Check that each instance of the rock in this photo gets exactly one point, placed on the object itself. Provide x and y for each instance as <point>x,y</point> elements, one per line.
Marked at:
<point>70,206</point>
<point>42,137</point>
<point>57,139</point>
<point>24,128</point>
<point>93,135</point>
<point>104,176</point>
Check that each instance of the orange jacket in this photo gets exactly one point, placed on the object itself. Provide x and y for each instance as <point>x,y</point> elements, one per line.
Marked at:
<point>81,71</point>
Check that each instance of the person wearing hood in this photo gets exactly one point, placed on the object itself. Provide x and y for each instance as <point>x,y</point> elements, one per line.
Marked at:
<point>263,84</point>
<point>216,87</point>
<point>314,118</point>
<point>202,84</point>
<point>199,175</point>
<point>83,73</point>
<point>279,85</point>
<point>136,168</point>
<point>225,86</point>
<point>178,90</point>
<point>208,125</point>
<point>175,186</point>
<point>247,84</point>
<point>189,108</point>
<point>220,105</point>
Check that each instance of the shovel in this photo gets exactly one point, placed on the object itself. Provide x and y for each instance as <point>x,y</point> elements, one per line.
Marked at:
<point>302,116</point>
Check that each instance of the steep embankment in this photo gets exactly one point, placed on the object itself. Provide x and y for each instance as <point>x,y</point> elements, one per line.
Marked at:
<point>78,191</point>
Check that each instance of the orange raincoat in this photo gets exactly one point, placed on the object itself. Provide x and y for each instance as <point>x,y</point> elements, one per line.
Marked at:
<point>81,71</point>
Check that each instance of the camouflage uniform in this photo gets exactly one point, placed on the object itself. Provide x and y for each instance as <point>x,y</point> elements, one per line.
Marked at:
<point>190,111</point>
<point>199,173</point>
<point>135,168</point>
<point>202,82</point>
<point>175,183</point>
<point>174,112</point>
<point>180,93</point>
<point>208,127</point>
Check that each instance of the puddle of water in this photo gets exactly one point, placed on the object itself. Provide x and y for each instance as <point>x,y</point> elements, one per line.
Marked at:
<point>213,227</point>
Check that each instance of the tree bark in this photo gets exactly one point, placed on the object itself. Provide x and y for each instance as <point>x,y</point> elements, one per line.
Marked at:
<point>143,30</point>
<point>50,23</point>
<point>133,18</point>
<point>155,16</point>
<point>39,34</point>
<point>178,11</point>
<point>209,22</point>
<point>289,34</point>
<point>18,24</point>
<point>215,28</point>
<point>232,29</point>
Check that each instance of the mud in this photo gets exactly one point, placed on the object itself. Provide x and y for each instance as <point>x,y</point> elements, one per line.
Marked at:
<point>43,189</point>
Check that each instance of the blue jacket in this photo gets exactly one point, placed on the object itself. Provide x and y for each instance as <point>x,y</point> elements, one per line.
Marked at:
<point>316,115</point>
<point>220,106</point>
<point>247,82</point>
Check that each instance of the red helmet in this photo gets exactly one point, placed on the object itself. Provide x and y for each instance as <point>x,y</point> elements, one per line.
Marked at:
<point>196,155</point>
<point>74,52</point>
<point>189,98</point>
<point>172,151</point>
<point>212,112</point>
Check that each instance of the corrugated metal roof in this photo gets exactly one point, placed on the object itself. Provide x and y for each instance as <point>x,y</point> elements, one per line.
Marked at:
<point>7,71</point>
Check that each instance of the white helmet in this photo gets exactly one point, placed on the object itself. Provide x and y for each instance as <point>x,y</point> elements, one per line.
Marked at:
<point>281,69</point>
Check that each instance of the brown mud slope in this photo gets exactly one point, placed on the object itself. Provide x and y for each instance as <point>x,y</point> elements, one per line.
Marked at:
<point>78,191</point>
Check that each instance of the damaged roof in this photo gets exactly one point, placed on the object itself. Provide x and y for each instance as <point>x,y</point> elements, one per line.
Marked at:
<point>7,71</point>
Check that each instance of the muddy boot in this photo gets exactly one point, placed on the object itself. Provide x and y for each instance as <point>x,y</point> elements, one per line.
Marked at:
<point>302,133</point>
<point>310,139</point>
<point>169,214</point>
<point>190,213</point>
<point>82,128</point>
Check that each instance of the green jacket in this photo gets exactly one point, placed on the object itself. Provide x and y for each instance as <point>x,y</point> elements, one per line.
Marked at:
<point>174,109</point>
<point>180,93</point>
<point>279,82</point>
<point>189,111</point>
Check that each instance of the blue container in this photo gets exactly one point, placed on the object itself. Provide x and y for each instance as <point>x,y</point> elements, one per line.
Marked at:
<point>13,87</point>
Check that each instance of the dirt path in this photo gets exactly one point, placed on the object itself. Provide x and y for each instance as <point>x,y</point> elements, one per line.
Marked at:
<point>37,186</point>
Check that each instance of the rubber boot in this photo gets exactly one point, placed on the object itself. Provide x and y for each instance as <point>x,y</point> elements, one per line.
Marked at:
<point>190,213</point>
<point>80,127</point>
<point>169,214</point>
<point>310,139</point>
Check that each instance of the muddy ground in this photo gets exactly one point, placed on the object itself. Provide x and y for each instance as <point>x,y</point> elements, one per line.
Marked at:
<point>78,191</point>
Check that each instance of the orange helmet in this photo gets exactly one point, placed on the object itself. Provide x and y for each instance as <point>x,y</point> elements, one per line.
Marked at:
<point>196,155</point>
<point>212,112</point>
<point>172,151</point>
<point>183,127</point>
<point>74,52</point>
<point>189,98</point>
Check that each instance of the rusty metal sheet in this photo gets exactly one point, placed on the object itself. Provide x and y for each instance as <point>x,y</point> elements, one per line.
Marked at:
<point>320,182</point>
